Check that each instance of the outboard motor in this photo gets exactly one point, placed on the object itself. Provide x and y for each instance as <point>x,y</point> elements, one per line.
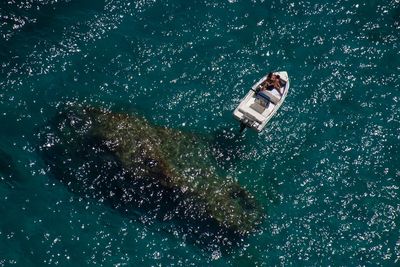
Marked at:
<point>243,125</point>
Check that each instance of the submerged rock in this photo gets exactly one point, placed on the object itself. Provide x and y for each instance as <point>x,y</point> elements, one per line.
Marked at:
<point>164,164</point>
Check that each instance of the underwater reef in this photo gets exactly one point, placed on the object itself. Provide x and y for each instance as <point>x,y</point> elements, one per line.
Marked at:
<point>124,159</point>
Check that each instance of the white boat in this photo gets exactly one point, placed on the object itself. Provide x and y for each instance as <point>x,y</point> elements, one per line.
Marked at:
<point>258,107</point>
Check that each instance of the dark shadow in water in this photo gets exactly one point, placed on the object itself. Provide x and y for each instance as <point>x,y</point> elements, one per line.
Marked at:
<point>8,170</point>
<point>89,169</point>
<point>6,164</point>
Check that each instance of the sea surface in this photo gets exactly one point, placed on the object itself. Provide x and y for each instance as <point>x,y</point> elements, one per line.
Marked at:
<point>326,170</point>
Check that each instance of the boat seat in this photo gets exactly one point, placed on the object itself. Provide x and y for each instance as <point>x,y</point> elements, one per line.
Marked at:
<point>269,96</point>
<point>252,114</point>
<point>258,107</point>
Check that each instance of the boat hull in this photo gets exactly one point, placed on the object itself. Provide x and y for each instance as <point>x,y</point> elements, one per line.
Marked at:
<point>252,114</point>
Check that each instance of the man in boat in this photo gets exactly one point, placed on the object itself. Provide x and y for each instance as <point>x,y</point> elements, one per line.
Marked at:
<point>272,82</point>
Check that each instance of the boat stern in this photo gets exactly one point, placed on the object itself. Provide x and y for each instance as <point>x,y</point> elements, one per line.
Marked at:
<point>247,120</point>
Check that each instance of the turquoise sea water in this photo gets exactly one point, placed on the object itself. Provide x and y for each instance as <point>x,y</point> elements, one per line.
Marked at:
<point>326,169</point>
